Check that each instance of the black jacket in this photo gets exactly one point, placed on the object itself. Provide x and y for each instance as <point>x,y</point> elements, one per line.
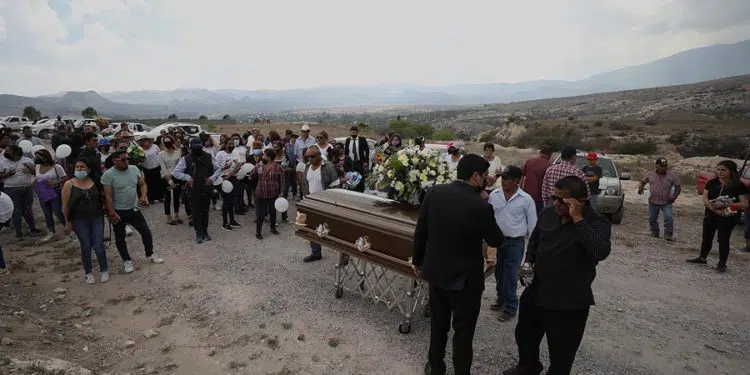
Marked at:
<point>565,258</point>
<point>362,148</point>
<point>453,222</point>
<point>199,168</point>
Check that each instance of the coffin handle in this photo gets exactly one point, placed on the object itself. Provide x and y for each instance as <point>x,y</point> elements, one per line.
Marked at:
<point>363,244</point>
<point>301,219</point>
<point>322,230</point>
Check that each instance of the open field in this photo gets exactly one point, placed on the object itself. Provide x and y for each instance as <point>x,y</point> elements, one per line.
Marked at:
<point>241,306</point>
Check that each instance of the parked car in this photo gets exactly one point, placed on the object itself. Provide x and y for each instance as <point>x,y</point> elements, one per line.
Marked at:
<point>44,128</point>
<point>611,200</point>
<point>15,123</point>
<point>192,130</point>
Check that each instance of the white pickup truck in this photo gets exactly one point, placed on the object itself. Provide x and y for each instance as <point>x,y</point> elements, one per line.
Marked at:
<point>15,123</point>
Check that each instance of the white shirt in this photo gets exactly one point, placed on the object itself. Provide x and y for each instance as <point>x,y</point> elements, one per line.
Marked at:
<point>314,180</point>
<point>22,178</point>
<point>168,162</point>
<point>225,161</point>
<point>353,147</point>
<point>452,165</point>
<point>152,157</point>
<point>239,154</point>
<point>516,217</point>
<point>55,173</point>
<point>210,150</point>
<point>324,150</point>
<point>496,166</point>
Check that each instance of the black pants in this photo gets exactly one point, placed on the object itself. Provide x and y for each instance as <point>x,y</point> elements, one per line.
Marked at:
<point>138,222</point>
<point>263,207</point>
<point>713,224</point>
<point>154,183</point>
<point>200,203</point>
<point>228,201</point>
<point>463,307</point>
<point>564,330</point>
<point>290,183</point>
<point>170,203</point>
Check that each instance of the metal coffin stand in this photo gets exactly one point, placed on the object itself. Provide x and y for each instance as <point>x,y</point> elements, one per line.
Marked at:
<point>373,239</point>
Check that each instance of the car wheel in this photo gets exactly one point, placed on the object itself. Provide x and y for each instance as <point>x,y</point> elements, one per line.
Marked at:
<point>616,218</point>
<point>44,134</point>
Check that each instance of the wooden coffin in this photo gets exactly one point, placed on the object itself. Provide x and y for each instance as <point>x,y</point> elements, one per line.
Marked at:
<point>366,226</point>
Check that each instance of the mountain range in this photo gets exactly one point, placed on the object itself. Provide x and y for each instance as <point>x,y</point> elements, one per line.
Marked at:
<point>691,66</point>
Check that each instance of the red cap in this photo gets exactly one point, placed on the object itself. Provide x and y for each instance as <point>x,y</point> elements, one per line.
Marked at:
<point>591,156</point>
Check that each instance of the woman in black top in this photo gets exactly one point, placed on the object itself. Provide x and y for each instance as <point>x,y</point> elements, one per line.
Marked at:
<point>83,206</point>
<point>724,197</point>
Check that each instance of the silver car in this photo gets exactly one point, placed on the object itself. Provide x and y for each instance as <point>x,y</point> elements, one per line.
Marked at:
<point>611,200</point>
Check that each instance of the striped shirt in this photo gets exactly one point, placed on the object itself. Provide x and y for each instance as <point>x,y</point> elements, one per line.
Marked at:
<point>660,186</point>
<point>557,172</point>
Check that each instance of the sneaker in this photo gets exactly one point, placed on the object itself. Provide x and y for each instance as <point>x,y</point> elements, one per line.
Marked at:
<point>156,259</point>
<point>129,266</point>
<point>745,249</point>
<point>258,236</point>
<point>217,207</point>
<point>227,227</point>
<point>48,237</point>
<point>206,237</point>
<point>235,224</point>
<point>721,268</point>
<point>668,238</point>
<point>90,279</point>
<point>35,232</point>
<point>104,277</point>
<point>655,235</point>
<point>697,260</point>
<point>4,271</point>
<point>198,239</point>
<point>497,306</point>
<point>128,230</point>
<point>506,316</point>
<point>311,258</point>
<point>275,232</point>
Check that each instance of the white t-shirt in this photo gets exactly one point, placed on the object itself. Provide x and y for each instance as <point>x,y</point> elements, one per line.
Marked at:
<point>225,160</point>
<point>314,180</point>
<point>239,154</point>
<point>22,178</point>
<point>324,150</point>
<point>152,157</point>
<point>452,164</point>
<point>55,173</point>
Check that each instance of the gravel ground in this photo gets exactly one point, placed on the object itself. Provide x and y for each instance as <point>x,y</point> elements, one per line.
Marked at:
<point>241,306</point>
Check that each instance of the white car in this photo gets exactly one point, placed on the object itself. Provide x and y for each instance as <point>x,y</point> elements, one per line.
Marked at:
<point>44,128</point>
<point>191,130</point>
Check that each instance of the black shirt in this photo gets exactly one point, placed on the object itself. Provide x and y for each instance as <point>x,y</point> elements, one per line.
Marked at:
<point>590,171</point>
<point>565,258</point>
<point>730,192</point>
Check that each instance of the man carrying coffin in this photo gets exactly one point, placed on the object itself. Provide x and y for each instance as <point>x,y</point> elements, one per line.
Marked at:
<point>453,222</point>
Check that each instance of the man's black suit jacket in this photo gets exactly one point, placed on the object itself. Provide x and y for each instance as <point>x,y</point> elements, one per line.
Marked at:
<point>363,149</point>
<point>453,222</point>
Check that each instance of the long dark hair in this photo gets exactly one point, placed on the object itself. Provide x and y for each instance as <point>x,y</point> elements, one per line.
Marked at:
<point>46,157</point>
<point>732,167</point>
<point>95,171</point>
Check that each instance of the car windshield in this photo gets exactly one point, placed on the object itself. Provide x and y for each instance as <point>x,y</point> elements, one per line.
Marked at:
<point>608,169</point>
<point>746,174</point>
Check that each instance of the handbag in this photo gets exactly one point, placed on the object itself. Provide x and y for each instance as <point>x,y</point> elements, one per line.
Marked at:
<point>44,191</point>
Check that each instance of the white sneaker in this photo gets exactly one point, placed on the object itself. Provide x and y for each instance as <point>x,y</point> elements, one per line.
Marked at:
<point>156,259</point>
<point>217,207</point>
<point>48,237</point>
<point>90,279</point>
<point>105,276</point>
<point>129,266</point>
<point>128,230</point>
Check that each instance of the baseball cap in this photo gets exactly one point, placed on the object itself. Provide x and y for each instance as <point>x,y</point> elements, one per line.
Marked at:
<point>661,161</point>
<point>196,142</point>
<point>568,152</point>
<point>512,172</point>
<point>103,142</point>
<point>591,156</point>
<point>305,128</point>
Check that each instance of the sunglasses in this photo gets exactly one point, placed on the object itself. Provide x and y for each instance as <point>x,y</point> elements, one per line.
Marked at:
<point>558,199</point>
<point>124,159</point>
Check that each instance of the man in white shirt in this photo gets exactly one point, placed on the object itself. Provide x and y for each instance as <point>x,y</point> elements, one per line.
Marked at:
<point>319,175</point>
<point>304,141</point>
<point>515,213</point>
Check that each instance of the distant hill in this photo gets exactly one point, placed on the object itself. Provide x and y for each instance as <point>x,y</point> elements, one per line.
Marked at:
<point>695,65</point>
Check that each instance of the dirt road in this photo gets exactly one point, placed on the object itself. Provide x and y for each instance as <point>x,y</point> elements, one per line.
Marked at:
<point>241,306</point>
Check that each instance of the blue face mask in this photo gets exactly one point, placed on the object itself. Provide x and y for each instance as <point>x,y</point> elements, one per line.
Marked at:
<point>81,174</point>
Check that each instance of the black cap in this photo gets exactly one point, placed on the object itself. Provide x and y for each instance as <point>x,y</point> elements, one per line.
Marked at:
<point>512,172</point>
<point>661,162</point>
<point>196,142</point>
<point>568,152</point>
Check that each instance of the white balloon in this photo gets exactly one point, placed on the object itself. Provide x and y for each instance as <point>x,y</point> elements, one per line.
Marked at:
<point>227,187</point>
<point>25,146</point>
<point>281,204</point>
<point>245,170</point>
<point>36,148</point>
<point>218,181</point>
<point>63,151</point>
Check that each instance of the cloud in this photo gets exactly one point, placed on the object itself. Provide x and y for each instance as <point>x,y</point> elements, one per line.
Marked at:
<point>108,45</point>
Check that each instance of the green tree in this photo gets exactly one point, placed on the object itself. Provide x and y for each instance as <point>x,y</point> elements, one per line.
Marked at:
<point>445,134</point>
<point>226,117</point>
<point>203,117</point>
<point>32,113</point>
<point>89,112</point>
<point>172,117</point>
<point>406,129</point>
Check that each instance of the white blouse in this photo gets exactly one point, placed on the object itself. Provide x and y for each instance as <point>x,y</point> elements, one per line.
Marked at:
<point>168,161</point>
<point>152,157</point>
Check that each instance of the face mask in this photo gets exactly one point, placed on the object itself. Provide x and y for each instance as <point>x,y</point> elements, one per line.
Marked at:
<point>38,161</point>
<point>236,142</point>
<point>81,174</point>
<point>196,150</point>
<point>168,144</point>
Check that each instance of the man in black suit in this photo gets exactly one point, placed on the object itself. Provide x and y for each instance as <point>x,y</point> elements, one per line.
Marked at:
<point>357,149</point>
<point>569,240</point>
<point>453,222</point>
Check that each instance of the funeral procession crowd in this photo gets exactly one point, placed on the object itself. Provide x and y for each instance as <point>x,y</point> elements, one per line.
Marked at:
<point>537,222</point>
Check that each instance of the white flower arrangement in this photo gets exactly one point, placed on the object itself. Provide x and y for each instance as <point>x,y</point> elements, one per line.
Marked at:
<point>408,173</point>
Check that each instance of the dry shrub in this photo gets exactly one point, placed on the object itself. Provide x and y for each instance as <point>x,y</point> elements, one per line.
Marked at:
<point>634,146</point>
<point>725,145</point>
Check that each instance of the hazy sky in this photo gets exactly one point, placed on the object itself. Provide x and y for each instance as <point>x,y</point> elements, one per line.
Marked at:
<point>48,46</point>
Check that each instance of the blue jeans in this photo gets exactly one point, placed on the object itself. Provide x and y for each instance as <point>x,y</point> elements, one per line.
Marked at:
<point>509,258</point>
<point>52,208</point>
<point>592,202</point>
<point>653,218</point>
<point>23,199</point>
<point>91,236</point>
<point>316,249</point>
